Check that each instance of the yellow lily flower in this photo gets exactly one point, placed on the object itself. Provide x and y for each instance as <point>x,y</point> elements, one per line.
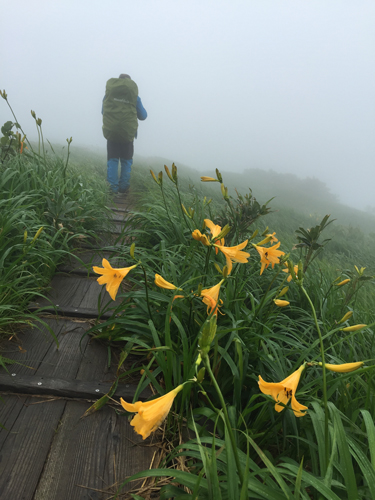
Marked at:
<point>273,237</point>
<point>269,256</point>
<point>211,298</point>
<point>214,228</point>
<point>281,303</point>
<point>215,231</point>
<point>344,367</point>
<point>289,279</point>
<point>112,277</point>
<point>152,413</point>
<point>234,254</point>
<point>283,391</point>
<point>162,283</point>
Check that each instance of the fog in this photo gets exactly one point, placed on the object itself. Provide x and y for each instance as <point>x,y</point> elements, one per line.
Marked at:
<point>283,85</point>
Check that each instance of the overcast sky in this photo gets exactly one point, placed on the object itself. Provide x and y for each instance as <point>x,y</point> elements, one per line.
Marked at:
<point>287,85</point>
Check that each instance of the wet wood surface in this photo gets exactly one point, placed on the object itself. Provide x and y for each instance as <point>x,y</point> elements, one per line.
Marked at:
<point>48,450</point>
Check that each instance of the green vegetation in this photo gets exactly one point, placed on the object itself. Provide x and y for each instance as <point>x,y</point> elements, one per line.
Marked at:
<point>207,363</point>
<point>46,208</point>
<point>236,313</point>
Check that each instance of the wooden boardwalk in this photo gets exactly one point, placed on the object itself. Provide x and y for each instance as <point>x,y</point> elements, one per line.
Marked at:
<point>47,451</point>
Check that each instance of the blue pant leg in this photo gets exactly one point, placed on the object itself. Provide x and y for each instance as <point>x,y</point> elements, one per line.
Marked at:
<point>112,174</point>
<point>126,168</point>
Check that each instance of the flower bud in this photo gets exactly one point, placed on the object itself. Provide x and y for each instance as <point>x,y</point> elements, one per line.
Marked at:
<point>132,249</point>
<point>225,271</point>
<point>160,177</point>
<point>281,303</point>
<point>300,270</point>
<point>208,179</point>
<point>283,291</point>
<point>359,271</point>
<point>24,237</point>
<point>344,282</point>
<point>218,268</point>
<point>348,315</point>
<point>223,232</point>
<point>353,328</point>
<point>207,335</point>
<point>224,192</point>
<point>265,231</point>
<point>218,175</point>
<point>168,173</point>
<point>200,375</point>
<point>39,122</point>
<point>343,368</point>
<point>154,177</point>
<point>265,241</point>
<point>185,211</point>
<point>33,114</point>
<point>37,234</point>
<point>254,234</point>
<point>174,172</point>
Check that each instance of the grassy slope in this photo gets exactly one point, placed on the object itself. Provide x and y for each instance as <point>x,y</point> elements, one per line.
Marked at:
<point>297,202</point>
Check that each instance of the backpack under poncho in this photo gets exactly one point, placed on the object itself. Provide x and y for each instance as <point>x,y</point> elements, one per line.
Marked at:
<point>120,110</point>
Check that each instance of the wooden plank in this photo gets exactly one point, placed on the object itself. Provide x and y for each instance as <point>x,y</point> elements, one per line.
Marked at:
<point>74,292</point>
<point>87,259</point>
<point>39,354</point>
<point>70,312</point>
<point>24,450</point>
<point>90,455</point>
<point>47,386</point>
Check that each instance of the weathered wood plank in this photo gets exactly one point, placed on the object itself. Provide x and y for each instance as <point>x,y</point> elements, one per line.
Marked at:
<point>90,455</point>
<point>47,386</point>
<point>86,260</point>
<point>74,292</point>
<point>24,450</point>
<point>39,353</point>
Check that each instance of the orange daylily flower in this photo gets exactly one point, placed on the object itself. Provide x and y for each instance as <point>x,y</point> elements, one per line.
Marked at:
<point>283,391</point>
<point>211,298</point>
<point>152,413</point>
<point>112,277</point>
<point>215,231</point>
<point>234,254</point>
<point>273,237</point>
<point>269,256</point>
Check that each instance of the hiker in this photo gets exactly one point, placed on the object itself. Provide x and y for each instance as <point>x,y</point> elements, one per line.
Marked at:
<point>122,108</point>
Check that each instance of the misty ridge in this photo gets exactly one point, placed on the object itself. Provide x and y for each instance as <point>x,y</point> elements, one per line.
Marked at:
<point>307,196</point>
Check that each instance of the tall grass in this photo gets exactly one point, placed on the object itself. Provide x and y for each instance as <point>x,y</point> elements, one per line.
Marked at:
<point>259,453</point>
<point>46,208</point>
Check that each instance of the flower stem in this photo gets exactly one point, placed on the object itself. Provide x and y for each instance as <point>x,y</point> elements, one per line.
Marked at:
<point>146,289</point>
<point>206,362</point>
<point>325,400</point>
<point>165,205</point>
<point>206,265</point>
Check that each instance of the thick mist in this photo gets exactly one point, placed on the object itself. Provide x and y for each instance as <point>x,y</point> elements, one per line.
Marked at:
<point>285,86</point>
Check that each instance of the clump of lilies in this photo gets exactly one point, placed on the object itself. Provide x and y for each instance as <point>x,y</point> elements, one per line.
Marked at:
<point>150,414</point>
